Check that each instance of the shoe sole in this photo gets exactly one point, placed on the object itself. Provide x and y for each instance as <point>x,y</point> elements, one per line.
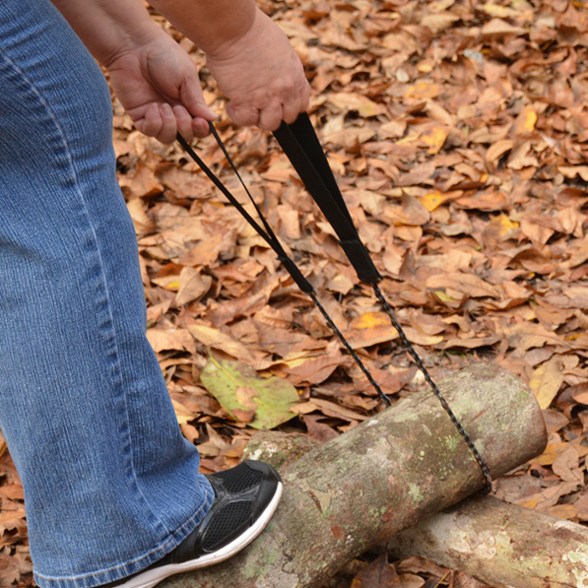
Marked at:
<point>151,578</point>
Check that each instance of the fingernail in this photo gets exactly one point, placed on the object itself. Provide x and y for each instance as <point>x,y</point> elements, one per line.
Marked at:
<point>167,109</point>
<point>210,114</point>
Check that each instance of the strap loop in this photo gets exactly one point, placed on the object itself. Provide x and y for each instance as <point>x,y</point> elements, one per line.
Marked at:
<point>361,260</point>
<point>301,145</point>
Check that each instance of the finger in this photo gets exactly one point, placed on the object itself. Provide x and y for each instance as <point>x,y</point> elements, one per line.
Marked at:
<point>244,116</point>
<point>305,96</point>
<point>193,100</point>
<point>271,117</point>
<point>150,123</point>
<point>291,110</point>
<point>183,122</point>
<point>298,104</point>
<point>190,127</point>
<point>168,131</point>
<point>200,128</point>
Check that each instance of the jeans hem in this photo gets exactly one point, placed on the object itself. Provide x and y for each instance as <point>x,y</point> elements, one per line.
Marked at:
<point>137,564</point>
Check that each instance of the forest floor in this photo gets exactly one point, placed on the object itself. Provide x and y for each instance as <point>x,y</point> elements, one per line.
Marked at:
<point>458,133</point>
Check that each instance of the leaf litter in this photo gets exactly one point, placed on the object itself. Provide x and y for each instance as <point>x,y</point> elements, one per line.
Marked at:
<point>458,134</point>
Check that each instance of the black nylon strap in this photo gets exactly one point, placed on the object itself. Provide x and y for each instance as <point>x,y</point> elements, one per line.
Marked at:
<point>303,132</point>
<point>303,149</point>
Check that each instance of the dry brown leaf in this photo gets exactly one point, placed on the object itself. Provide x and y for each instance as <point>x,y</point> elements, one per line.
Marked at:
<point>12,567</point>
<point>358,102</point>
<point>432,200</point>
<point>369,329</point>
<point>143,222</point>
<point>578,296</point>
<point>525,122</point>
<point>192,285</point>
<point>11,517</point>
<point>204,253</point>
<point>492,200</point>
<point>468,284</point>
<point>379,574</point>
<point>410,212</point>
<point>567,466</point>
<point>141,182</point>
<point>546,381</point>
<point>551,452</point>
<point>500,27</point>
<point>498,149</point>
<point>328,408</point>
<point>216,339</point>
<point>317,430</point>
<point>314,370</point>
<point>183,414</point>
<point>581,397</point>
<point>582,507</point>
<point>349,138</point>
<point>439,22</point>
<point>572,172</point>
<point>171,339</point>
<point>423,90</point>
<point>527,335</point>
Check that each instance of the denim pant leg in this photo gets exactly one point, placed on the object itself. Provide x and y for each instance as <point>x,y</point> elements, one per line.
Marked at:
<point>110,484</point>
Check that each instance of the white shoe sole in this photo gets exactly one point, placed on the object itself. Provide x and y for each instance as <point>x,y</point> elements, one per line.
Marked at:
<point>150,578</point>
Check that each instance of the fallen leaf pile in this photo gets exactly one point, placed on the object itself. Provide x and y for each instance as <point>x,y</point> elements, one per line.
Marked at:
<point>458,133</point>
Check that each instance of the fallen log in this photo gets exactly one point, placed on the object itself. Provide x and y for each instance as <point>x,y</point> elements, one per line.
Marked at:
<point>363,487</point>
<point>501,544</point>
<point>497,542</point>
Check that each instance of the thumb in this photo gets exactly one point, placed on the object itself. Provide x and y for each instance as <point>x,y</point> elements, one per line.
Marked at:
<point>192,99</point>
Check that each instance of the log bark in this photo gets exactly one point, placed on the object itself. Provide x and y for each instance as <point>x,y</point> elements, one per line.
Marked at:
<point>405,464</point>
<point>501,544</point>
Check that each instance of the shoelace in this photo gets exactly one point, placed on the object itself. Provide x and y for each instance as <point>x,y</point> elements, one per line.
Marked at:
<point>302,147</point>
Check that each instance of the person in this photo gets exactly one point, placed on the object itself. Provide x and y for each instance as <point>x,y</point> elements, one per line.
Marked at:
<point>112,489</point>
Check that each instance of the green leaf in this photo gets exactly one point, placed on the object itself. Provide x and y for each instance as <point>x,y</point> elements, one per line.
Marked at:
<point>261,403</point>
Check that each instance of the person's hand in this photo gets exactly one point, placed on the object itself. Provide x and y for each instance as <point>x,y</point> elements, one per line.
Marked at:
<point>157,84</point>
<point>261,75</point>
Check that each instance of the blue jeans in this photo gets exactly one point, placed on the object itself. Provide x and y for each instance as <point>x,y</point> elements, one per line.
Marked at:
<point>110,484</point>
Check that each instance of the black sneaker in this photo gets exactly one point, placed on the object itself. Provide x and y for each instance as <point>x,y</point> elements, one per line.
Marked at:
<point>246,497</point>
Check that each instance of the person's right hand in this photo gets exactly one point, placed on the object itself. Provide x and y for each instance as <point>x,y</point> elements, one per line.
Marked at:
<point>261,75</point>
<point>157,83</point>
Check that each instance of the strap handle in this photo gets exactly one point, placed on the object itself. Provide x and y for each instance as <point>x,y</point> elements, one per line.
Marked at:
<point>302,147</point>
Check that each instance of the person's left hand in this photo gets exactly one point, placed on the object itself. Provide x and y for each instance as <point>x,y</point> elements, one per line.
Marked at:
<point>157,84</point>
<point>261,75</point>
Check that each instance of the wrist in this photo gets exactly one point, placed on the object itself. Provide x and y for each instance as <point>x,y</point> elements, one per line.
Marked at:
<point>210,24</point>
<point>129,41</point>
<point>222,45</point>
<point>108,28</point>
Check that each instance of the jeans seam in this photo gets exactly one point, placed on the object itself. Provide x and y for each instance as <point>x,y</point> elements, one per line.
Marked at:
<point>104,300</point>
